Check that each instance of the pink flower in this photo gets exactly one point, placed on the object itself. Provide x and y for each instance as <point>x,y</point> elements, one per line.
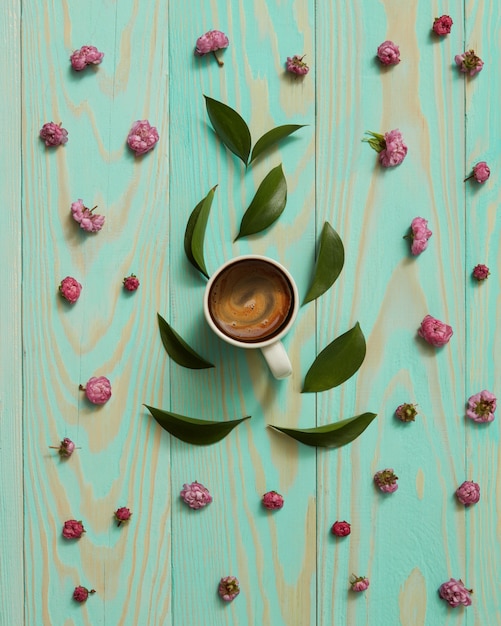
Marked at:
<point>481,272</point>
<point>296,65</point>
<point>406,412</point>
<point>65,448</point>
<point>80,594</point>
<point>229,588</point>
<point>390,146</point>
<point>442,25</point>
<point>388,53</point>
<point>131,283</point>
<point>212,41</point>
<point>455,593</point>
<point>341,529</point>
<point>480,173</point>
<point>87,55</point>
<point>434,331</point>
<point>89,221</point>
<point>273,500</point>
<point>386,480</point>
<point>97,389</point>
<point>123,514</point>
<point>195,495</point>
<point>53,134</point>
<point>70,289</point>
<point>142,137</point>
<point>359,583</point>
<point>419,235</point>
<point>73,529</point>
<point>468,493</point>
<point>481,406</point>
<point>469,62</point>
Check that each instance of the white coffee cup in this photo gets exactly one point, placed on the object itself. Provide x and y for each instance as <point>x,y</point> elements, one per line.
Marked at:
<point>252,301</point>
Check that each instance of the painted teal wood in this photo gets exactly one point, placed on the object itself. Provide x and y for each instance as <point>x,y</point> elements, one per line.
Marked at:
<point>164,566</point>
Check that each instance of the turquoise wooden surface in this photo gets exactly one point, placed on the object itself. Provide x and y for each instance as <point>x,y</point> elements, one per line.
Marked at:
<point>163,568</point>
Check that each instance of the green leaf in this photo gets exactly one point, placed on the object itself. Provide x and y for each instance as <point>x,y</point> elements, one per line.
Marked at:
<point>230,128</point>
<point>192,430</point>
<point>337,362</point>
<point>195,233</point>
<point>272,137</point>
<point>267,205</point>
<point>330,261</point>
<point>331,435</point>
<point>178,349</point>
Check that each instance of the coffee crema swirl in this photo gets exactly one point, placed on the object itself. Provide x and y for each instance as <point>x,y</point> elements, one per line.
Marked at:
<point>251,300</point>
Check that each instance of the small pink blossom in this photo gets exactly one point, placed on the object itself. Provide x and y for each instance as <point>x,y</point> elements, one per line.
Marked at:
<point>419,236</point>
<point>53,134</point>
<point>73,529</point>
<point>341,529</point>
<point>87,55</point>
<point>272,500</point>
<point>468,493</point>
<point>388,53</point>
<point>481,406</point>
<point>66,448</point>
<point>359,583</point>
<point>97,389</point>
<point>390,146</point>
<point>131,283</point>
<point>455,593</point>
<point>142,137</point>
<point>480,173</point>
<point>89,221</point>
<point>469,62</point>
<point>195,495</point>
<point>229,588</point>
<point>481,272</point>
<point>80,594</point>
<point>386,480</point>
<point>434,331</point>
<point>406,412</point>
<point>442,25</point>
<point>70,289</point>
<point>122,514</point>
<point>296,65</point>
<point>212,41</point>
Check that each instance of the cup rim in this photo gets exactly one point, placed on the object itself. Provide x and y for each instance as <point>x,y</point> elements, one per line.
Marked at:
<point>265,342</point>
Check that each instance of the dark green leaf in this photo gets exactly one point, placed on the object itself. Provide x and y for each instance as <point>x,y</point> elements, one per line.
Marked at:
<point>330,261</point>
<point>267,205</point>
<point>178,349</point>
<point>195,233</point>
<point>272,137</point>
<point>332,435</point>
<point>230,127</point>
<point>337,362</point>
<point>192,430</point>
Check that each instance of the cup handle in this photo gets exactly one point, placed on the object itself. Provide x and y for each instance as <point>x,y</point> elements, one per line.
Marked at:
<point>277,360</point>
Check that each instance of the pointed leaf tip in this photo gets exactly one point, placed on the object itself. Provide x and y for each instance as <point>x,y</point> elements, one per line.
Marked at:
<point>178,349</point>
<point>230,127</point>
<point>329,263</point>
<point>194,235</point>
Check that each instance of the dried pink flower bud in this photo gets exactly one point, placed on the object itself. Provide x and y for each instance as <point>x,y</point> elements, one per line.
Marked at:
<point>195,495</point>
<point>70,289</point>
<point>73,529</point>
<point>481,272</point>
<point>359,583</point>
<point>89,221</point>
<point>481,406</point>
<point>53,134</point>
<point>419,236</point>
<point>434,331</point>
<point>131,283</point>
<point>480,173</point>
<point>455,593</point>
<point>390,146</point>
<point>386,480</point>
<point>212,41</point>
<point>388,53</point>
<point>296,65</point>
<point>272,500</point>
<point>406,412</point>
<point>65,448</point>
<point>469,62</point>
<point>229,588</point>
<point>442,25</point>
<point>341,529</point>
<point>468,493</point>
<point>97,389</point>
<point>142,137</point>
<point>123,514</point>
<point>80,594</point>
<point>87,55</point>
